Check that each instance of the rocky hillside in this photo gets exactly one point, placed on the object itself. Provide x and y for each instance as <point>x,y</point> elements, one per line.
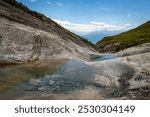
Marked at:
<point>125,40</point>
<point>26,35</point>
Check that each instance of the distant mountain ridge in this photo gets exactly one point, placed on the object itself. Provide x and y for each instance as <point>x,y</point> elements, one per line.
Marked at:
<point>98,35</point>
<point>133,37</point>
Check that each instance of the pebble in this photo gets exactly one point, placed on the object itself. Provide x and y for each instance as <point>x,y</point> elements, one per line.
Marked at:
<point>55,84</point>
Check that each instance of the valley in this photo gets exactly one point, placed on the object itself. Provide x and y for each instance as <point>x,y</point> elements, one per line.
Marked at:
<point>39,59</point>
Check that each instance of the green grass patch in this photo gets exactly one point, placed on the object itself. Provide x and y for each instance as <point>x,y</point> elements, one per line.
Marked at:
<point>130,38</point>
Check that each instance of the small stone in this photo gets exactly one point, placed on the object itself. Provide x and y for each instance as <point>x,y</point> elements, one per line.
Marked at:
<point>41,88</point>
<point>51,82</point>
<point>30,88</point>
<point>35,82</point>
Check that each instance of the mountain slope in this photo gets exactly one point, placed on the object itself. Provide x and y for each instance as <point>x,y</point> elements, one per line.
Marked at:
<point>26,35</point>
<point>125,40</point>
<point>19,13</point>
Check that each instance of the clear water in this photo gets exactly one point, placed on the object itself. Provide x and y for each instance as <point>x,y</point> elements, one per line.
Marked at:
<point>107,57</point>
<point>71,77</point>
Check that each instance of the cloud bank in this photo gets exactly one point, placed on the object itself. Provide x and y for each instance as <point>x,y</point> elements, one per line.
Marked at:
<point>92,26</point>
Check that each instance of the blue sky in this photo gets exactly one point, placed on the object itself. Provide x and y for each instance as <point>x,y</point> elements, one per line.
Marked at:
<point>85,16</point>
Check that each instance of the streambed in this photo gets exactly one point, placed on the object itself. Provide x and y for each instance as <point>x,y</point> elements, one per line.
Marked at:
<point>67,77</point>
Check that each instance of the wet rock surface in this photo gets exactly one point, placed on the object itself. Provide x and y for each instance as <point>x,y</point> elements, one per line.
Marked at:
<point>121,78</point>
<point>129,75</point>
<point>55,85</point>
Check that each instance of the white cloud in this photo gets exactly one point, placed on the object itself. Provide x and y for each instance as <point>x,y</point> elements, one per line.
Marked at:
<point>59,4</point>
<point>48,2</point>
<point>127,25</point>
<point>91,27</point>
<point>33,0</point>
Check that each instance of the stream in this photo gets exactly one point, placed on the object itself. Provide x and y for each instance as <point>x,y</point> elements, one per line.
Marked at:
<point>107,57</point>
<point>73,76</point>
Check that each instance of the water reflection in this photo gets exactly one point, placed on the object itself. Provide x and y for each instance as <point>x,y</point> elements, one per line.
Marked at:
<point>73,75</point>
<point>107,57</point>
<point>50,77</point>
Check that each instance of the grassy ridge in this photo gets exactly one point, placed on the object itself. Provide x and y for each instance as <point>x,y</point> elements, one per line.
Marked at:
<point>127,39</point>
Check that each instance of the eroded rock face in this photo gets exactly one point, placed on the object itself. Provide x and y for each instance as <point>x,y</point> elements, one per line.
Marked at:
<point>21,43</point>
<point>128,74</point>
<point>28,36</point>
<point>109,72</point>
<point>142,48</point>
<point>109,48</point>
